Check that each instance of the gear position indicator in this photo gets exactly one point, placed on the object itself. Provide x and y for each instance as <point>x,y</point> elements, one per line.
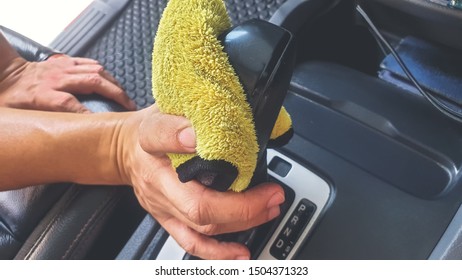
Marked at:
<point>311,196</point>
<point>292,230</point>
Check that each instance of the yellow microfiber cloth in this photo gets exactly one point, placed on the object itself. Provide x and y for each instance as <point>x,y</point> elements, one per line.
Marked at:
<point>192,77</point>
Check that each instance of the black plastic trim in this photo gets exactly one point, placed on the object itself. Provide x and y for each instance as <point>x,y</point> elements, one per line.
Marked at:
<point>421,18</point>
<point>88,26</point>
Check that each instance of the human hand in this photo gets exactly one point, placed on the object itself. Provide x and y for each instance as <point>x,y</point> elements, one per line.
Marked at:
<point>190,212</point>
<point>48,85</point>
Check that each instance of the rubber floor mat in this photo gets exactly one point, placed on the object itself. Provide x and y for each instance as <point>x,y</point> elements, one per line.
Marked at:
<point>125,49</point>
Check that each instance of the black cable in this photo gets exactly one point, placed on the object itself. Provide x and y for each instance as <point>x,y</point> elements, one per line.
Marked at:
<point>442,107</point>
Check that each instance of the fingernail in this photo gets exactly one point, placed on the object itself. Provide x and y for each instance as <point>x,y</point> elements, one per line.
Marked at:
<point>274,212</point>
<point>187,137</point>
<point>276,200</point>
<point>242,258</point>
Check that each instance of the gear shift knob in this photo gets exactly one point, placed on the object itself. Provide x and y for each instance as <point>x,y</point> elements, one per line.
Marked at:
<point>262,55</point>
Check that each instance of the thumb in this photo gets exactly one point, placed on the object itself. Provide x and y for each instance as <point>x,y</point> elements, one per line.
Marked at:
<point>162,133</point>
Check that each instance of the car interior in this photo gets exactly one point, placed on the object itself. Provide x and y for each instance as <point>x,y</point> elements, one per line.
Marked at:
<point>373,169</point>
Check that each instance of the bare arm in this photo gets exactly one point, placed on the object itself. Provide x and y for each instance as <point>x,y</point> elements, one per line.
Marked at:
<point>41,147</point>
<point>130,148</point>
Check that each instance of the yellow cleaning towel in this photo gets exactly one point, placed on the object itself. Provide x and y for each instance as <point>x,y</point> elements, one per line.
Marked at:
<point>192,77</point>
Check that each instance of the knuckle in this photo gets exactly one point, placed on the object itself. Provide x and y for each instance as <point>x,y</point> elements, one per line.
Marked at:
<point>246,213</point>
<point>93,79</point>
<point>169,133</point>
<point>198,215</point>
<point>118,91</point>
<point>199,211</point>
<point>209,230</point>
<point>194,214</point>
<point>64,101</point>
<point>190,248</point>
<point>147,141</point>
<point>147,178</point>
<point>144,142</point>
<point>99,69</point>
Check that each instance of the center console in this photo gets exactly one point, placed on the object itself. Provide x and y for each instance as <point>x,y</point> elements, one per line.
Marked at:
<point>373,169</point>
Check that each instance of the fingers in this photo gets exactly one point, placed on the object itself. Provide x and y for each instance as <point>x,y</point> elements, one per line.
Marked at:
<point>162,133</point>
<point>204,206</point>
<point>194,239</point>
<point>215,229</point>
<point>94,68</point>
<point>96,83</point>
<point>75,60</point>
<point>225,212</point>
<point>192,232</point>
<point>60,102</point>
<point>85,76</point>
<point>84,60</point>
<point>202,246</point>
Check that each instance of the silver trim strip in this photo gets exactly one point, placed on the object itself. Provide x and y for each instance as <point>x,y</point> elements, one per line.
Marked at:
<point>171,251</point>
<point>307,185</point>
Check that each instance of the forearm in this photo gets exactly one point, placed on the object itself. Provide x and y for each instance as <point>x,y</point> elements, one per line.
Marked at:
<point>41,147</point>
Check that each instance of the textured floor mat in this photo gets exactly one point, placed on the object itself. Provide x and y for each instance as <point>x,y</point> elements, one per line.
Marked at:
<point>125,48</point>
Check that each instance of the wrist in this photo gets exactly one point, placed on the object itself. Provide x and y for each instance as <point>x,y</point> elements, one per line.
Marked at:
<point>126,145</point>
<point>98,144</point>
<point>10,75</point>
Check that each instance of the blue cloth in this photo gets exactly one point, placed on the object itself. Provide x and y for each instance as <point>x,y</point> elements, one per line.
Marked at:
<point>436,68</point>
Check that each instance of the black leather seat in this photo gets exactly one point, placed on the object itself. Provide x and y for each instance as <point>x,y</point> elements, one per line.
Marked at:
<point>21,211</point>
